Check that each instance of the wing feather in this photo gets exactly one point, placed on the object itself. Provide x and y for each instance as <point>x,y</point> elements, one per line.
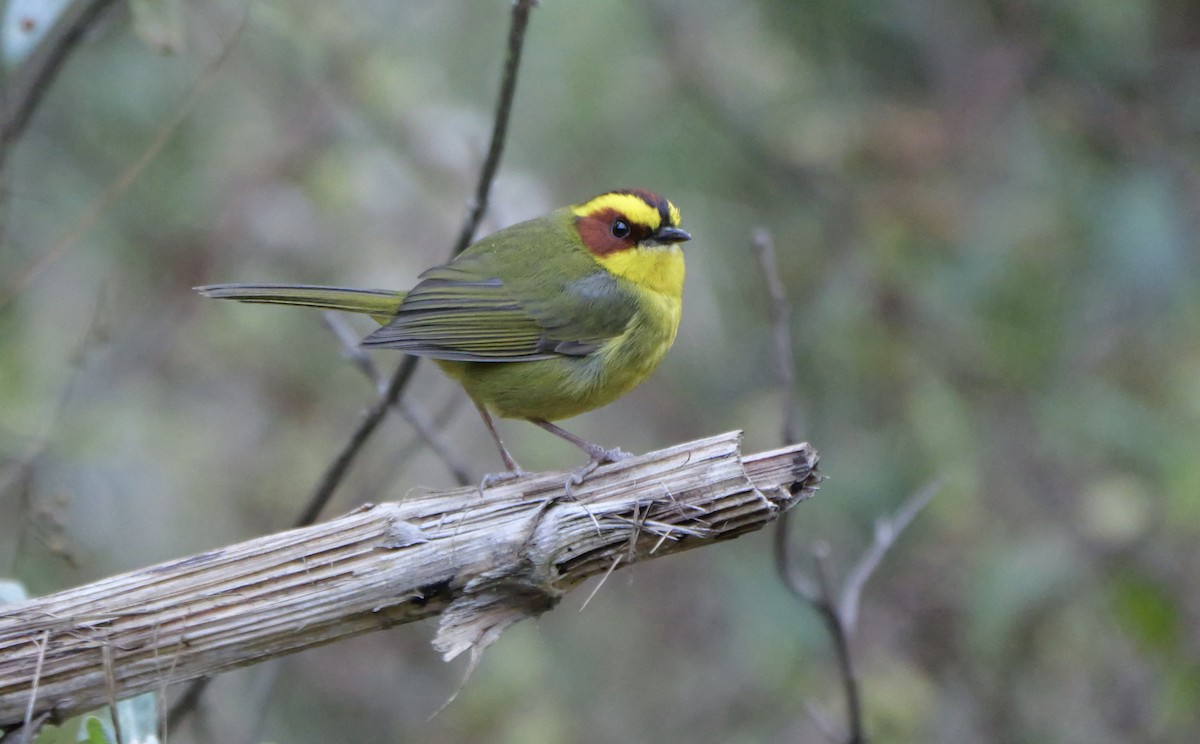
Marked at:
<point>483,308</point>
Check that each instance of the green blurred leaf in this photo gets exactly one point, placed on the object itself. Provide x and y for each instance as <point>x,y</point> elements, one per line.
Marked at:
<point>139,719</point>
<point>68,732</point>
<point>1183,691</point>
<point>95,731</point>
<point>1148,610</point>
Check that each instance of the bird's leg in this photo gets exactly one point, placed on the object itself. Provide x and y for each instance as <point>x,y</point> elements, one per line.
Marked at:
<point>598,454</point>
<point>594,451</point>
<point>514,470</point>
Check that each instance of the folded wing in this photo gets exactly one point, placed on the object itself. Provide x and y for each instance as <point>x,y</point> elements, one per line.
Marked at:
<point>472,310</point>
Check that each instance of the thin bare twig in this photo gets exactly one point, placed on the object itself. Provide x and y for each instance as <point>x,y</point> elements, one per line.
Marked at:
<point>37,678</point>
<point>837,610</point>
<point>24,733</point>
<point>886,532</point>
<point>110,686</point>
<point>838,630</point>
<point>780,313</point>
<point>124,179</point>
<point>789,572</point>
<point>337,469</point>
<point>427,431</point>
<point>781,331</point>
<point>508,89</point>
<point>819,594</point>
<point>19,473</point>
<point>440,419</point>
<point>420,423</point>
<point>26,88</point>
<point>352,351</point>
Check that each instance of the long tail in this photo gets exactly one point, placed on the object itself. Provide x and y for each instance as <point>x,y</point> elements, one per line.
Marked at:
<point>380,304</point>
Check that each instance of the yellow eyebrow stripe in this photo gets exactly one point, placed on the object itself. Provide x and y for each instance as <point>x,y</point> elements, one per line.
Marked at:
<point>633,207</point>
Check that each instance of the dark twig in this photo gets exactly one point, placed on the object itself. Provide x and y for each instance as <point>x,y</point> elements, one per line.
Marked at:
<point>24,733</point>
<point>421,424</point>
<point>18,475</point>
<point>839,612</point>
<point>780,314</point>
<point>333,475</point>
<point>819,594</point>
<point>786,567</point>
<point>441,418</point>
<point>352,351</point>
<point>886,532</point>
<point>508,89</point>
<point>25,89</point>
<point>122,182</point>
<point>839,631</point>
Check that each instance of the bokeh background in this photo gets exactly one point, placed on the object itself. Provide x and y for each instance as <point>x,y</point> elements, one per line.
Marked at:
<point>985,215</point>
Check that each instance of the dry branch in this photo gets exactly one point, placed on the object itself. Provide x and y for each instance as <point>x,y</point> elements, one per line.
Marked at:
<point>26,87</point>
<point>481,560</point>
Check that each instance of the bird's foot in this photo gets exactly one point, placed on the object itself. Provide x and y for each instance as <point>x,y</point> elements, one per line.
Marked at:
<point>599,456</point>
<point>495,479</point>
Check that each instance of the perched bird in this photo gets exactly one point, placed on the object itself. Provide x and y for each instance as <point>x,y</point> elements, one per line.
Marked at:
<point>540,321</point>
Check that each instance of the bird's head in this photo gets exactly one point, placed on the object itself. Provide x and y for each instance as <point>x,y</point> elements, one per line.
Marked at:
<point>625,220</point>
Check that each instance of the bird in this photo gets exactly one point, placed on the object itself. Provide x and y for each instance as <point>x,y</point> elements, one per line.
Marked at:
<point>542,320</point>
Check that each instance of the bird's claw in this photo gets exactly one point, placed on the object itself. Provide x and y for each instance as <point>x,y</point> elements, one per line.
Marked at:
<point>495,479</point>
<point>600,456</point>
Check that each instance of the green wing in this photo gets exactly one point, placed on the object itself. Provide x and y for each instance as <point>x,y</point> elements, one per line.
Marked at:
<point>494,303</point>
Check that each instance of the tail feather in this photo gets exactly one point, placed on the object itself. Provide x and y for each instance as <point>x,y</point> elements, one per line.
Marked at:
<point>380,304</point>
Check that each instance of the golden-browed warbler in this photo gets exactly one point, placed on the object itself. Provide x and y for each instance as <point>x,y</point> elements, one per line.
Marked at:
<point>540,321</point>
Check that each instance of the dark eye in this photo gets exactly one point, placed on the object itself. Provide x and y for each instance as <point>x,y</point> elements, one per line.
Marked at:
<point>620,229</point>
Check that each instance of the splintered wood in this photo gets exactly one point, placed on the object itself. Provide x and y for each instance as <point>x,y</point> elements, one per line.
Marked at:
<point>482,561</point>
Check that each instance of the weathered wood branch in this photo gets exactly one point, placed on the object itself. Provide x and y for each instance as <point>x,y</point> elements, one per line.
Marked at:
<point>481,560</point>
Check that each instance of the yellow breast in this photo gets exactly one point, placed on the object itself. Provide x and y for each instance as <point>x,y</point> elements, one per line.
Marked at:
<point>658,274</point>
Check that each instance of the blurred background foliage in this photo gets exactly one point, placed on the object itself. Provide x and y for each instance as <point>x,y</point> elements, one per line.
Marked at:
<point>986,217</point>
